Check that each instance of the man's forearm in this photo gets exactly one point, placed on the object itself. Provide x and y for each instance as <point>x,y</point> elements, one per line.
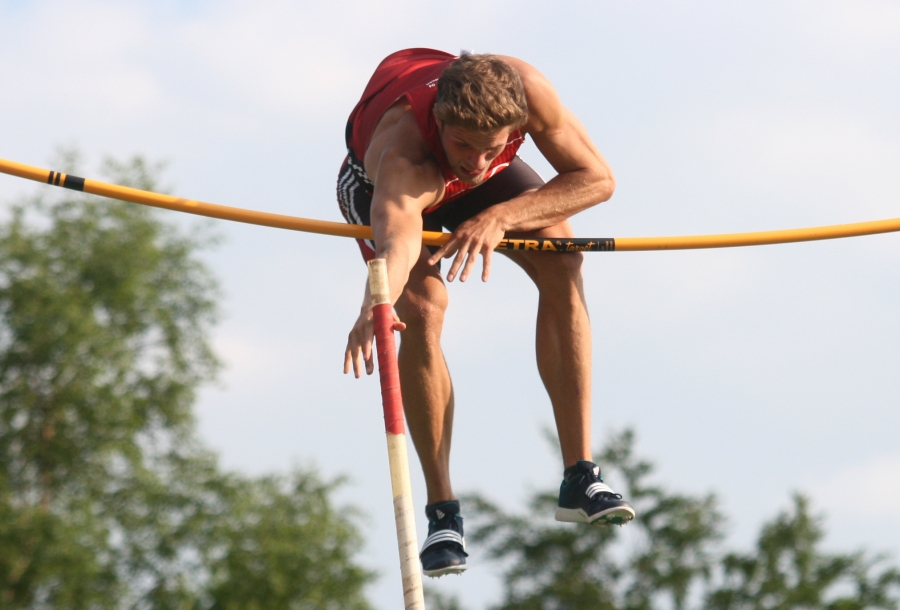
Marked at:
<point>564,196</point>
<point>397,255</point>
<point>397,232</point>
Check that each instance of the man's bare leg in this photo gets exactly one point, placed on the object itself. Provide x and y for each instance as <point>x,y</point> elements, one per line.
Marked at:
<point>428,401</point>
<point>563,342</point>
<point>424,377</point>
<point>564,361</point>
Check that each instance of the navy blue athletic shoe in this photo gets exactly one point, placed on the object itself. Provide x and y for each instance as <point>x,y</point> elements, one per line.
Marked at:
<point>585,498</point>
<point>444,551</point>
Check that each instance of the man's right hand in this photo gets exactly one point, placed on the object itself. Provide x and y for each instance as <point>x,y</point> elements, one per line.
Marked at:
<point>359,343</point>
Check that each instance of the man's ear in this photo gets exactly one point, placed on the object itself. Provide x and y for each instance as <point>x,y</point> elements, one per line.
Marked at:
<point>440,124</point>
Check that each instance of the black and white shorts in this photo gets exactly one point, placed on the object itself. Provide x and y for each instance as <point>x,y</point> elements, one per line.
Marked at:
<point>354,195</point>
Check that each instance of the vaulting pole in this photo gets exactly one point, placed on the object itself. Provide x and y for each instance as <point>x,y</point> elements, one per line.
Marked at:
<point>392,401</point>
<point>436,238</point>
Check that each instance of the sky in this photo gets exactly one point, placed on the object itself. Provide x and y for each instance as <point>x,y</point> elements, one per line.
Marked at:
<point>751,373</point>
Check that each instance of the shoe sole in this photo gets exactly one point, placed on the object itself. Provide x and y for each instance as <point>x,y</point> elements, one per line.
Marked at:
<point>445,571</point>
<point>619,515</point>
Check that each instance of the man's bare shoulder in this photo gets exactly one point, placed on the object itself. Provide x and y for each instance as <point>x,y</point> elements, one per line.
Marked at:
<point>398,134</point>
<point>524,68</point>
<point>398,147</point>
<point>544,105</point>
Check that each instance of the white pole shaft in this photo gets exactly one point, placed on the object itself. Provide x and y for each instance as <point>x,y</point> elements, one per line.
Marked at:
<point>389,374</point>
<point>405,519</point>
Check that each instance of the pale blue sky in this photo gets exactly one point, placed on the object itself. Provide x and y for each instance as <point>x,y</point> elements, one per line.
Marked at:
<point>748,372</point>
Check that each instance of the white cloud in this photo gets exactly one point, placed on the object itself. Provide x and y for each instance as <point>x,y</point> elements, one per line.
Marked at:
<point>78,58</point>
<point>264,355</point>
<point>785,143</point>
<point>873,486</point>
<point>821,158</point>
<point>274,52</point>
<point>299,57</point>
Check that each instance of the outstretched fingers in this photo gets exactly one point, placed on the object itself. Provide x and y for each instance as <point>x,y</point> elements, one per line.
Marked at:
<point>359,354</point>
<point>462,256</point>
<point>466,259</point>
<point>445,251</point>
<point>478,235</point>
<point>357,358</point>
<point>464,252</point>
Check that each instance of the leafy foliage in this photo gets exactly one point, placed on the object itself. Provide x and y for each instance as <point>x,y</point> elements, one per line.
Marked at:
<point>279,544</point>
<point>788,570</point>
<point>670,556</point>
<point>556,567</point>
<point>106,498</point>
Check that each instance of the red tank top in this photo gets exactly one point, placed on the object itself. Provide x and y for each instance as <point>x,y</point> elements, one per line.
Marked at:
<point>413,73</point>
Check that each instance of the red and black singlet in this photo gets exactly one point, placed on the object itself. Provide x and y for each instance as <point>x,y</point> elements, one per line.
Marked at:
<point>413,74</point>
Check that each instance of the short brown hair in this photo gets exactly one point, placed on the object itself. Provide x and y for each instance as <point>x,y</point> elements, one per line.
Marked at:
<point>481,93</point>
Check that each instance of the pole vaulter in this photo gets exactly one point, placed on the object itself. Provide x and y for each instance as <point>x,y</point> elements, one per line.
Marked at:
<point>436,238</point>
<point>392,401</point>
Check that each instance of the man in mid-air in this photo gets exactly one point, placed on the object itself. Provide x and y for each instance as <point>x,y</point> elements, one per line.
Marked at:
<point>431,144</point>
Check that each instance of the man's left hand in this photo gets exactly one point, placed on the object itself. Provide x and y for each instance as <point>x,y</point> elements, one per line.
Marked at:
<point>480,234</point>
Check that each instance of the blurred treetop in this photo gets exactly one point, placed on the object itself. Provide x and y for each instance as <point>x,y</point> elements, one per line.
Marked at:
<point>670,556</point>
<point>107,499</point>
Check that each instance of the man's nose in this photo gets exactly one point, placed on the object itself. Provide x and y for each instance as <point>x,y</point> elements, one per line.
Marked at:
<point>478,160</point>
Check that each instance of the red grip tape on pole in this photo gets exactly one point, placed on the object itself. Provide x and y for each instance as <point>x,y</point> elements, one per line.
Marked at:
<point>391,399</point>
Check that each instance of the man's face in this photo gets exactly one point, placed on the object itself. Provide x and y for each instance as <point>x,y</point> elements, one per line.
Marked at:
<point>470,152</point>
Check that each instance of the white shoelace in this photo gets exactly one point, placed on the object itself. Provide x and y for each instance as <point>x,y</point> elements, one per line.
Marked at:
<point>596,488</point>
<point>443,536</point>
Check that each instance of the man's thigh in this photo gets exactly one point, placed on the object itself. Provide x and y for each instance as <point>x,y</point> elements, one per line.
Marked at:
<point>424,297</point>
<point>535,263</point>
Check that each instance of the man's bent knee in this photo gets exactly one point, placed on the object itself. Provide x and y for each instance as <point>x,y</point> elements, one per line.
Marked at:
<point>423,307</point>
<point>569,262</point>
<point>555,267</point>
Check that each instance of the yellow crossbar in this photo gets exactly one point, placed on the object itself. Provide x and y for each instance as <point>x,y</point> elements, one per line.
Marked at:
<point>435,238</point>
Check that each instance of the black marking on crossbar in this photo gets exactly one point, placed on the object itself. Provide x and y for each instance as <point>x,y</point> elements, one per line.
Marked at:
<point>70,182</point>
<point>74,182</point>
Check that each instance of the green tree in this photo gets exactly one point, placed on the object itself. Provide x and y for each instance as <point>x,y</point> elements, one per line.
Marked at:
<point>788,569</point>
<point>671,556</point>
<point>557,567</point>
<point>106,498</point>
<point>280,544</point>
